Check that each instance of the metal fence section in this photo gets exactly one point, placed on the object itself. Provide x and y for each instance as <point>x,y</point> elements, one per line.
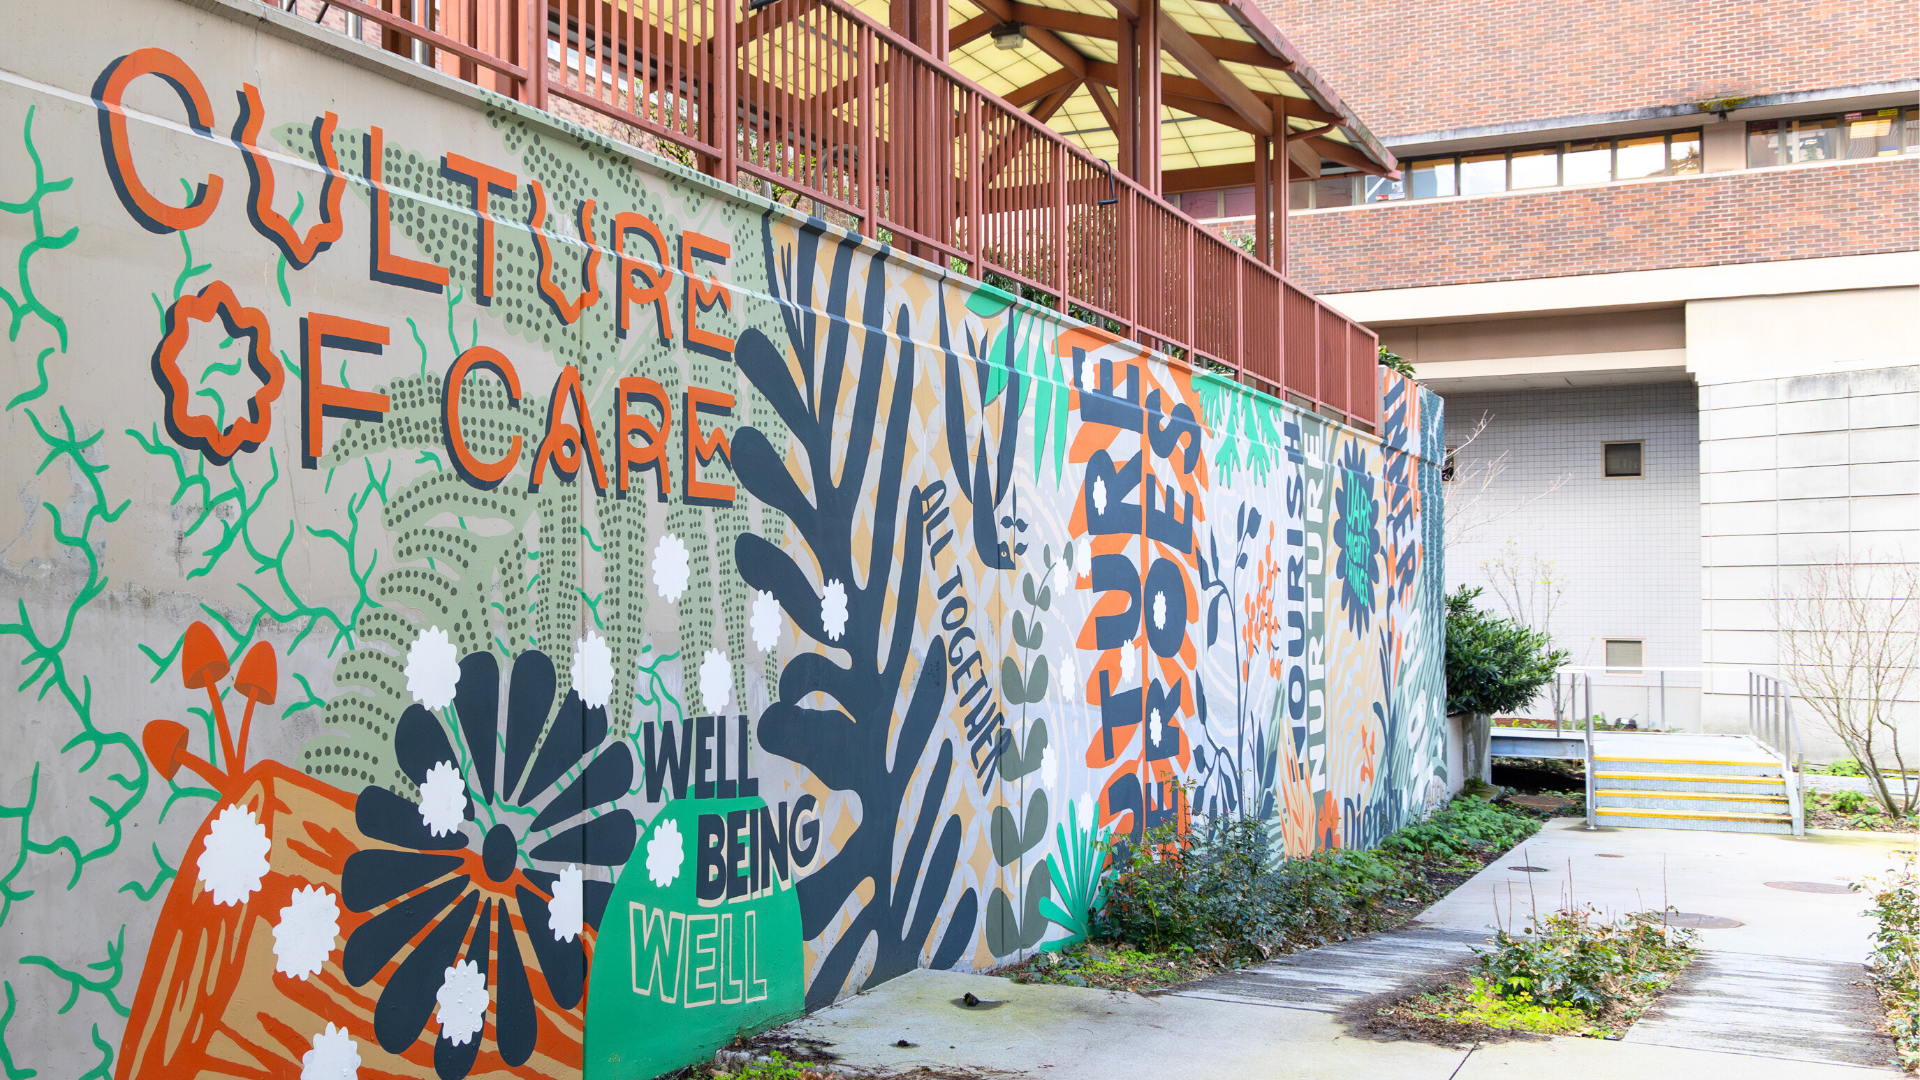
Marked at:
<point>810,98</point>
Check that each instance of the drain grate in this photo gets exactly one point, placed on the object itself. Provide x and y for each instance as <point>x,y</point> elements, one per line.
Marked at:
<point>1529,869</point>
<point>1604,855</point>
<point>1809,886</point>
<point>1697,921</point>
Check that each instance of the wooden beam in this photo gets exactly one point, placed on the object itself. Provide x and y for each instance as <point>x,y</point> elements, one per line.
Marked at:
<point>1072,22</point>
<point>1309,132</point>
<point>1050,104</point>
<point>1043,39</point>
<point>1039,88</point>
<point>1103,97</point>
<point>1214,75</point>
<point>1216,177</point>
<point>970,31</point>
<point>1347,155</point>
<point>1208,109</point>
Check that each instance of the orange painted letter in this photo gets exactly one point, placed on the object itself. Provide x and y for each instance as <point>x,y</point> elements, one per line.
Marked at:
<point>323,399</point>
<point>485,475</point>
<point>154,215</point>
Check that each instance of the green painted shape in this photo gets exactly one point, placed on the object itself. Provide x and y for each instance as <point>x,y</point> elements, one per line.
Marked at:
<point>664,938</point>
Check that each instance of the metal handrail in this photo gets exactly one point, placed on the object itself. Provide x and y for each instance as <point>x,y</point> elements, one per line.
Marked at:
<point>1770,722</point>
<point>808,95</point>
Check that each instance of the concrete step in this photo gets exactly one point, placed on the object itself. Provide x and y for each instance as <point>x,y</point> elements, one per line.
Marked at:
<point>1702,821</point>
<point>1695,801</point>
<point>1717,782</point>
<point>1729,766</point>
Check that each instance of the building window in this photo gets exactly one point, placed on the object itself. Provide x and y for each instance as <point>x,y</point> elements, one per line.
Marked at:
<point>1868,134</point>
<point>1625,654</point>
<point>1446,465</point>
<point>1618,459</point>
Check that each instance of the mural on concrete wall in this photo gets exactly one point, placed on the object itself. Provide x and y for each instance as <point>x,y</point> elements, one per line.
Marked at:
<point>488,605</point>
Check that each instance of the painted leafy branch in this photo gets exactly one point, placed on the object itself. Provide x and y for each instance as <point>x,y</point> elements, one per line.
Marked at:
<point>1078,871</point>
<point>863,743</point>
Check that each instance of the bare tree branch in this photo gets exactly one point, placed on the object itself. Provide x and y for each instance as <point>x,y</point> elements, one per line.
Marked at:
<point>1849,641</point>
<point>1472,501</point>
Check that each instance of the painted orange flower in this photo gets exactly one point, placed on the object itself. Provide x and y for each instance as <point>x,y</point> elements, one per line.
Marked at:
<point>198,431</point>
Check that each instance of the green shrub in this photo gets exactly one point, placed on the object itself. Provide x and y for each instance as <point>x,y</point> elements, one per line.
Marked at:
<point>1572,958</point>
<point>1845,767</point>
<point>1493,665</point>
<point>1224,887</point>
<point>1895,960</point>
<point>1849,802</point>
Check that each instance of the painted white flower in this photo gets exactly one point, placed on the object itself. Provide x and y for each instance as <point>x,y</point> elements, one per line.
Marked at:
<point>766,621</point>
<point>303,938</point>
<point>432,668</point>
<point>665,853</point>
<point>1086,371</point>
<point>670,571</point>
<point>335,1056</point>
<point>462,998</point>
<point>1160,611</point>
<point>1076,554</point>
<point>235,858</point>
<point>1129,662</point>
<point>716,681</point>
<point>443,799</point>
<point>1068,681</point>
<point>1153,726</point>
<point>1100,495</point>
<point>1049,768</point>
<point>1084,808</point>
<point>593,670</point>
<point>564,913</point>
<point>833,610</point>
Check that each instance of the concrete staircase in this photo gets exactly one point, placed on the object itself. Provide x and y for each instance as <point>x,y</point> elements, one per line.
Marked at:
<point>1715,783</point>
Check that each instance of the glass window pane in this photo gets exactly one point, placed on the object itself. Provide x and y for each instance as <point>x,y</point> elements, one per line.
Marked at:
<point>1763,144</point>
<point>1300,195</point>
<point>1683,153</point>
<point>1381,189</point>
<point>1432,179</point>
<point>1333,191</point>
<point>1483,174</point>
<point>1589,162</point>
<point>1641,157</point>
<point>1814,140</point>
<point>1913,130</point>
<point>1535,168</point>
<point>1873,134</point>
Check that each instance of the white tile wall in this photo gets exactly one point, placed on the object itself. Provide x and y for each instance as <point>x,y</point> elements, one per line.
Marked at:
<point>1629,548</point>
<point>1841,479</point>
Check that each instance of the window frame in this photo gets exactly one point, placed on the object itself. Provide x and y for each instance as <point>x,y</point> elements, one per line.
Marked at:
<point>1641,444</point>
<point>1629,670</point>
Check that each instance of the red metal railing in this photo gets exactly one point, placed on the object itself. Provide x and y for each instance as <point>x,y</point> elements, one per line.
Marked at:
<point>812,98</point>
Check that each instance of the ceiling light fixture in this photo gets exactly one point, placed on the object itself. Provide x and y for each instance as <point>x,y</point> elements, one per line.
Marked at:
<point>1009,35</point>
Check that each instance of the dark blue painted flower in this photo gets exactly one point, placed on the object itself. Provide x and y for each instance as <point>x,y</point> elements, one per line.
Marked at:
<point>516,804</point>
<point>1357,531</point>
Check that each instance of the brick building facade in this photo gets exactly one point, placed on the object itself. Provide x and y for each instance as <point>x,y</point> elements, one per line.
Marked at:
<point>1667,253</point>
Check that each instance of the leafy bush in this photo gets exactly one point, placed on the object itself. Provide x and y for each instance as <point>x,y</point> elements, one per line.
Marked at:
<point>1224,888</point>
<point>1895,960</point>
<point>1845,767</point>
<point>1850,802</point>
<point>1572,958</point>
<point>1493,665</point>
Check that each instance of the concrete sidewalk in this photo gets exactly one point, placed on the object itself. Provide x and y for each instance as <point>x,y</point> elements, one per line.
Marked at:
<point>1779,996</point>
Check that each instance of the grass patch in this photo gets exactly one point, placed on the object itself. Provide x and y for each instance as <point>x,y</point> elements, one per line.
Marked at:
<point>1854,810</point>
<point>1569,972</point>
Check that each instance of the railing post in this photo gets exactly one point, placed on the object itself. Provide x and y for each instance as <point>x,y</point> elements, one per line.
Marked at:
<point>868,128</point>
<point>536,52</point>
<point>976,187</point>
<point>726,97</point>
<point>1060,222</point>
